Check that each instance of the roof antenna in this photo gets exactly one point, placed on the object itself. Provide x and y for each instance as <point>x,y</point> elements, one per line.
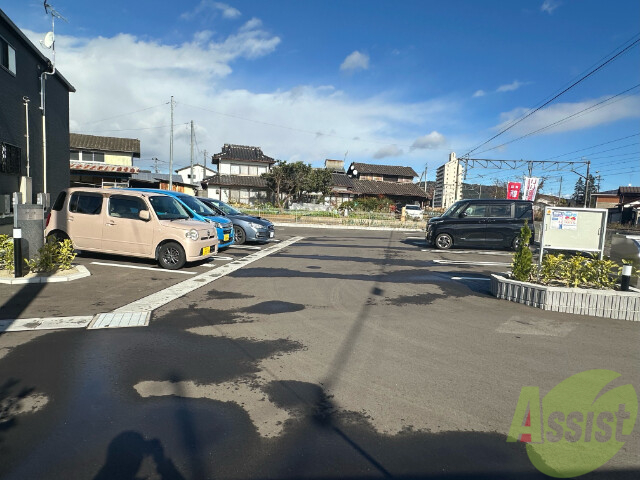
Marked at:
<point>49,38</point>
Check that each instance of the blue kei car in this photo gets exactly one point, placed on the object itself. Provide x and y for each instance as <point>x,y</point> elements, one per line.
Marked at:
<point>199,211</point>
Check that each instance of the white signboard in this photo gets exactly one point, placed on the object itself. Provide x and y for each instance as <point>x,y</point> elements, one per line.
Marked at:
<point>579,229</point>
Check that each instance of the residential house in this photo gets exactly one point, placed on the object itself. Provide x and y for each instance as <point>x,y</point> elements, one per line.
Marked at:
<point>147,179</point>
<point>381,173</point>
<point>102,161</point>
<point>239,177</point>
<point>606,199</point>
<point>23,72</point>
<point>200,172</point>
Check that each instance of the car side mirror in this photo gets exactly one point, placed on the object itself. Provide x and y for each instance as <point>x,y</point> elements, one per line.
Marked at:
<point>144,215</point>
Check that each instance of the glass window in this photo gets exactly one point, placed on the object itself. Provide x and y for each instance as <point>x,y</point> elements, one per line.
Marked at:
<point>74,155</point>
<point>262,170</point>
<point>98,157</point>
<point>235,169</point>
<point>57,206</point>
<point>524,210</point>
<point>500,210</point>
<point>87,203</point>
<point>196,205</point>
<point>168,208</point>
<point>124,206</point>
<point>244,170</point>
<point>7,56</point>
<point>476,210</point>
<point>253,171</point>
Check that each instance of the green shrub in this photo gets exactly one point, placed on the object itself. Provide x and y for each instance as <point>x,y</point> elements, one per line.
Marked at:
<point>66,255</point>
<point>578,271</point>
<point>52,256</point>
<point>6,253</point>
<point>522,264</point>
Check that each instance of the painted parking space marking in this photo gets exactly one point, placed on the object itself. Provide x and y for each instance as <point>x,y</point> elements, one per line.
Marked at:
<point>120,320</point>
<point>245,247</point>
<point>137,267</point>
<point>414,238</point>
<point>169,294</point>
<point>470,262</point>
<point>476,252</point>
<point>471,278</point>
<point>48,323</point>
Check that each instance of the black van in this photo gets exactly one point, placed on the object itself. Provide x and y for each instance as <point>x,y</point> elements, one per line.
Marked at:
<point>480,223</point>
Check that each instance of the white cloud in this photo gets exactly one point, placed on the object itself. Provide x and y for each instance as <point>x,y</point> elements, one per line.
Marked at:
<point>510,87</point>
<point>430,141</point>
<point>123,74</point>
<point>207,7</point>
<point>388,151</point>
<point>628,107</point>
<point>549,6</point>
<point>355,61</point>
<point>479,93</point>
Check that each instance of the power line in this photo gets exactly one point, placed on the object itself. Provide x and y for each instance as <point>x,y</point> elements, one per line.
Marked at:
<point>135,129</point>
<point>594,146</point>
<point>125,114</point>
<point>567,118</point>
<point>580,80</point>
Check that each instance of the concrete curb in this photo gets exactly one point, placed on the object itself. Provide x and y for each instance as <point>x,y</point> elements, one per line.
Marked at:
<point>82,272</point>
<point>579,301</point>
<point>348,227</point>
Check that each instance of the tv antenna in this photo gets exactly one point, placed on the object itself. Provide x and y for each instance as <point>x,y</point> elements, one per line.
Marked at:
<point>49,40</point>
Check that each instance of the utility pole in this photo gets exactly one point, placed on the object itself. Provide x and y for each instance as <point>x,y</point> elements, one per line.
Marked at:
<point>155,164</point>
<point>586,184</point>
<point>560,190</point>
<point>191,177</point>
<point>171,149</point>
<point>26,119</point>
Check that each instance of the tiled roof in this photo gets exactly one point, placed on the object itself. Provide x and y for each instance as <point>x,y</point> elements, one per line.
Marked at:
<point>627,190</point>
<point>102,167</point>
<point>371,187</point>
<point>606,192</point>
<point>236,181</point>
<point>105,144</point>
<point>383,169</point>
<point>243,153</point>
<point>341,180</point>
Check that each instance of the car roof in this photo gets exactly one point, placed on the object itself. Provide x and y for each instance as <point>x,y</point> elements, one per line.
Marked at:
<point>107,191</point>
<point>493,200</point>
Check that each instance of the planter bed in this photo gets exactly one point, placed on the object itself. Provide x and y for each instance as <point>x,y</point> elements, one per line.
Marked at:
<point>581,301</point>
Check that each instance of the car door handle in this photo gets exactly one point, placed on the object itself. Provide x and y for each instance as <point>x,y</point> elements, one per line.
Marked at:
<point>110,224</point>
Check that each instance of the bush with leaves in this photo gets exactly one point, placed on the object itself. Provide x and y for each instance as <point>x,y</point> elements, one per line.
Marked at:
<point>522,264</point>
<point>578,271</point>
<point>53,255</point>
<point>6,253</point>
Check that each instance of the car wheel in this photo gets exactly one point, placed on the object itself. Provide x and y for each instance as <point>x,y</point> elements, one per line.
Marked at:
<point>171,256</point>
<point>240,235</point>
<point>516,243</point>
<point>57,236</point>
<point>444,241</point>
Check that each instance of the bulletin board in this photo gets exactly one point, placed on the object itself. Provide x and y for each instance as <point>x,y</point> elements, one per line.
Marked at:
<point>579,229</point>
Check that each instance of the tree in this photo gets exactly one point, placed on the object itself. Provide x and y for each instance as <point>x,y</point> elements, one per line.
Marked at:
<point>579,190</point>
<point>290,180</point>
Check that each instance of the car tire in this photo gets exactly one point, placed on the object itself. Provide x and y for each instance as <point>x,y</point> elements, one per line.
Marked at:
<point>515,243</point>
<point>443,241</point>
<point>240,235</point>
<point>171,256</point>
<point>57,236</point>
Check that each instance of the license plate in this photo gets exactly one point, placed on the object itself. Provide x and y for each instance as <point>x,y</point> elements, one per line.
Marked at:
<point>206,250</point>
<point>226,237</point>
<point>270,234</point>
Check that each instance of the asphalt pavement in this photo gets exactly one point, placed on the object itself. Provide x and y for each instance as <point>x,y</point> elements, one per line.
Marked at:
<point>343,354</point>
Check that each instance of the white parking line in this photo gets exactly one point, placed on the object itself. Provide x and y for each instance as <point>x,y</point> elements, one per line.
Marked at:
<point>471,278</point>
<point>245,247</point>
<point>158,299</point>
<point>476,252</point>
<point>154,269</point>
<point>465,262</point>
<point>48,323</point>
<point>414,238</point>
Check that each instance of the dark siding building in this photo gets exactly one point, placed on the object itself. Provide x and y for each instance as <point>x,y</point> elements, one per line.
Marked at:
<point>21,65</point>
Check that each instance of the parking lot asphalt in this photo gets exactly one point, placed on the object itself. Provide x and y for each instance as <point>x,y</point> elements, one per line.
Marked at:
<point>347,354</point>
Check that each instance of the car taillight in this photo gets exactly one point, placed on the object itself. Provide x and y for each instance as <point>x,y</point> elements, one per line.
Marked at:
<point>48,218</point>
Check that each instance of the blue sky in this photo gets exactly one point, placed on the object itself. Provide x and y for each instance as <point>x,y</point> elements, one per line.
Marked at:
<point>390,82</point>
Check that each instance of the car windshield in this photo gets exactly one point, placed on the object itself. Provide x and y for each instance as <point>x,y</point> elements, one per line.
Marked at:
<point>228,209</point>
<point>168,208</point>
<point>413,207</point>
<point>196,205</point>
<point>451,210</point>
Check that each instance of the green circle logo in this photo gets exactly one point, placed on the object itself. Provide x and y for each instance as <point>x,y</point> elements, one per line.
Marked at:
<point>579,426</point>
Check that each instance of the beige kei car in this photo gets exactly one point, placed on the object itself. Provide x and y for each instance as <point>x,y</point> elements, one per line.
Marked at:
<point>137,224</point>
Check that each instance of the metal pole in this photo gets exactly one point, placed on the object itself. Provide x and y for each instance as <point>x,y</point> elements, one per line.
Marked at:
<point>586,184</point>
<point>560,191</point>
<point>191,151</point>
<point>171,149</point>
<point>17,252</point>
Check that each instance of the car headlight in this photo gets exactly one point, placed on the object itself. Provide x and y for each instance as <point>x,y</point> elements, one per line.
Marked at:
<point>257,226</point>
<point>192,234</point>
<point>217,224</point>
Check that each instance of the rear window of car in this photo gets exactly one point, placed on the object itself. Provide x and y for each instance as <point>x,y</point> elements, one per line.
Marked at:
<point>524,210</point>
<point>59,203</point>
<point>86,203</point>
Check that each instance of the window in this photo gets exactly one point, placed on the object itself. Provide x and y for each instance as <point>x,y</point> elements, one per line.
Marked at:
<point>253,171</point>
<point>235,169</point>
<point>262,170</point>
<point>476,210</point>
<point>7,56</point>
<point>501,210</point>
<point>87,203</point>
<point>124,206</point>
<point>92,157</point>
<point>10,159</point>
<point>57,206</point>
<point>74,156</point>
<point>244,170</point>
<point>523,210</point>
